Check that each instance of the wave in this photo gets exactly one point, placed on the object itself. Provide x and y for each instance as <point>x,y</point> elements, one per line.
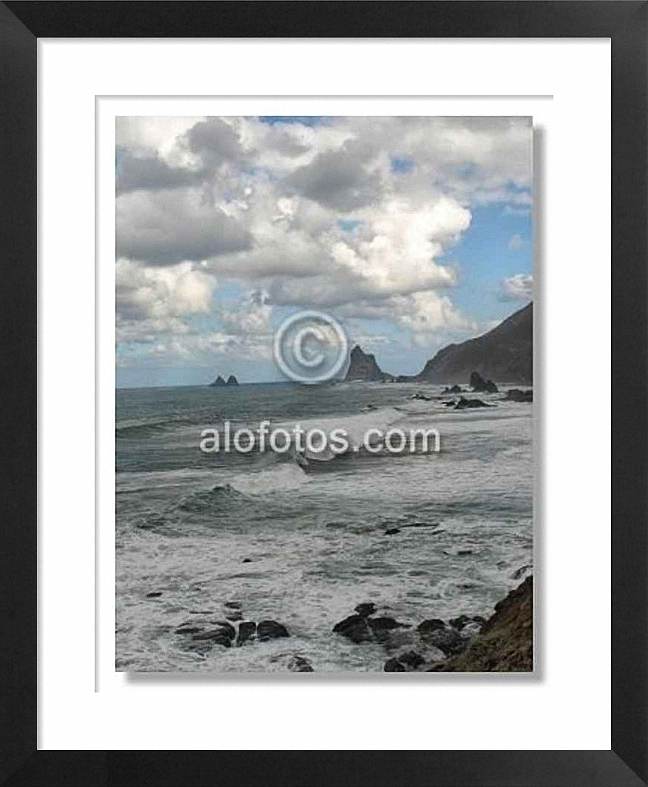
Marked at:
<point>282,478</point>
<point>147,428</point>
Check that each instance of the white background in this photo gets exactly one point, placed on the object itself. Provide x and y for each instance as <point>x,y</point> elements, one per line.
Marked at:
<point>565,85</point>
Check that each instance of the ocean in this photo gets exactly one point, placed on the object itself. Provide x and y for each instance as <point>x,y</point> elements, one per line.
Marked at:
<point>201,536</point>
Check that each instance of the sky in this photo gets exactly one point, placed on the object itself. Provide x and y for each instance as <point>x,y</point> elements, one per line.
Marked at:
<point>413,232</point>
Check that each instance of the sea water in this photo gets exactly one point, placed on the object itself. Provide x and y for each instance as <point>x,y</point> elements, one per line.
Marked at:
<point>303,546</point>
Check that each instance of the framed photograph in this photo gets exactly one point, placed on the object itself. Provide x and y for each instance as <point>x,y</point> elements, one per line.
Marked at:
<point>325,361</point>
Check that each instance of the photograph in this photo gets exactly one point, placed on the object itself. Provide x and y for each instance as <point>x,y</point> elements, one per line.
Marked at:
<point>324,394</point>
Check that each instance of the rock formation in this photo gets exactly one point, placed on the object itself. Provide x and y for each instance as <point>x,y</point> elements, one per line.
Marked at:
<point>517,395</point>
<point>468,404</point>
<point>505,643</point>
<point>363,366</point>
<point>505,354</point>
<point>220,381</point>
<point>479,385</point>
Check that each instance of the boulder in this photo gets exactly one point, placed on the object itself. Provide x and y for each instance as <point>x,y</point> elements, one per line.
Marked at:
<point>479,385</point>
<point>365,609</point>
<point>217,636</point>
<point>246,631</point>
<point>391,531</point>
<point>393,665</point>
<point>517,395</point>
<point>231,631</point>
<point>467,404</point>
<point>522,571</point>
<point>385,624</point>
<point>185,629</point>
<point>300,664</point>
<point>154,594</point>
<point>428,626</point>
<point>270,629</point>
<point>463,620</point>
<point>411,659</point>
<point>354,628</point>
<point>453,389</point>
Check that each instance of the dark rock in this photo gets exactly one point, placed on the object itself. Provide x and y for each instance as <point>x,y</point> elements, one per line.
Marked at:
<point>246,631</point>
<point>505,643</point>
<point>479,385</point>
<point>391,531</point>
<point>451,403</point>
<point>393,665</point>
<point>232,604</point>
<point>246,560</point>
<point>467,404</point>
<point>217,383</point>
<point>300,664</point>
<point>154,594</point>
<point>231,380</point>
<point>462,621</point>
<point>354,628</point>
<point>411,659</point>
<point>517,395</point>
<point>188,629</point>
<point>453,389</point>
<point>422,396</point>
<point>270,629</point>
<point>464,552</point>
<point>231,631</point>
<point>428,626</point>
<point>235,615</point>
<point>365,609</point>
<point>522,571</point>
<point>385,624</point>
<point>446,639</point>
<point>216,636</point>
<point>363,366</point>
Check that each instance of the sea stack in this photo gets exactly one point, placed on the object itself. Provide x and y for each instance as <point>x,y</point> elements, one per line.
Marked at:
<point>479,385</point>
<point>220,381</point>
<point>363,367</point>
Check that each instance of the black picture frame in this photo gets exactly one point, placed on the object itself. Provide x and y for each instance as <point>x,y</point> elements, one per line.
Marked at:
<point>21,24</point>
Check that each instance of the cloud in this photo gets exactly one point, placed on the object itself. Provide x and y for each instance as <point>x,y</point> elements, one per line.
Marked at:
<point>167,227</point>
<point>339,179</point>
<point>250,317</point>
<point>149,171</point>
<point>357,215</point>
<point>516,243</point>
<point>517,288</point>
<point>151,301</point>
<point>215,141</point>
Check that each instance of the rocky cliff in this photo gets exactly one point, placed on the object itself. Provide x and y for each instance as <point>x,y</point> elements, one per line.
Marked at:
<point>505,643</point>
<point>504,354</point>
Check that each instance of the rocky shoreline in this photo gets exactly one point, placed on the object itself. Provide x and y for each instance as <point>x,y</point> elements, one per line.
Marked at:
<point>466,643</point>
